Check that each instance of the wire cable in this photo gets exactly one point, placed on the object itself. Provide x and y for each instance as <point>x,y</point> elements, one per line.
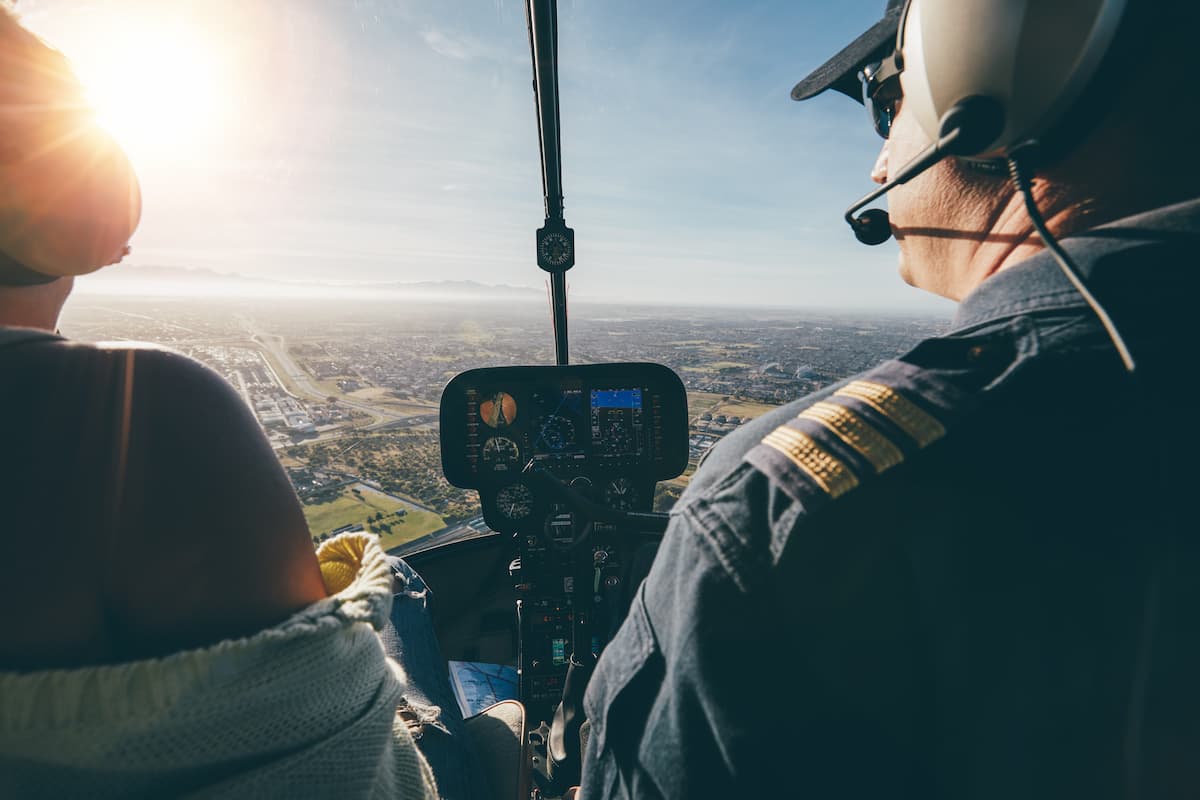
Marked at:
<point>1023,182</point>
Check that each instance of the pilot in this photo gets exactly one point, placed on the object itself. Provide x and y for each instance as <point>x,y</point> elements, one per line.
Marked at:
<point>167,629</point>
<point>963,573</point>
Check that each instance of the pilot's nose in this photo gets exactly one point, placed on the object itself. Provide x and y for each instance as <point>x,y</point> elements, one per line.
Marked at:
<point>879,171</point>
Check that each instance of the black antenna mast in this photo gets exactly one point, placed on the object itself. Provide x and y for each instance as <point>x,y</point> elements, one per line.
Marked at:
<point>555,241</point>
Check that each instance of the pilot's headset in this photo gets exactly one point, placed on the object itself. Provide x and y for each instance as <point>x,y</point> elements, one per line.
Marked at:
<point>1014,84</point>
<point>1008,74</point>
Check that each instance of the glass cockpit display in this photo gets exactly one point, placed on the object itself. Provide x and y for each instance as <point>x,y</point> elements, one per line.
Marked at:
<point>558,423</point>
<point>610,431</point>
<point>560,418</point>
<point>616,416</point>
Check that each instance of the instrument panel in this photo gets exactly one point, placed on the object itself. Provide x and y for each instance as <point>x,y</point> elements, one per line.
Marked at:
<point>609,431</point>
<point>524,436</point>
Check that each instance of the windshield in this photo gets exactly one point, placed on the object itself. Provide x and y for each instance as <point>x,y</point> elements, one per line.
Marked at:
<point>340,200</point>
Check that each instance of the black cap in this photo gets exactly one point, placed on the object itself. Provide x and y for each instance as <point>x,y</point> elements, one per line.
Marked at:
<point>840,73</point>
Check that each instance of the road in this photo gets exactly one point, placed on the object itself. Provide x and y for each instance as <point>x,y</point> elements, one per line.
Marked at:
<point>467,529</point>
<point>407,422</point>
<point>303,382</point>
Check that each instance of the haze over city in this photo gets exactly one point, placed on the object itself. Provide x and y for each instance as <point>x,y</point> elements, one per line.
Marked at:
<point>369,141</point>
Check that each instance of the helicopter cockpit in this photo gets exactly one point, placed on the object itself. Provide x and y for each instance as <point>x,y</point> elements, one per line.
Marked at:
<point>969,615</point>
<point>565,459</point>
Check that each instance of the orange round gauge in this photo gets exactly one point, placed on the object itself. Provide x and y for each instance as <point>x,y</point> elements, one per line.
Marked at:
<point>498,410</point>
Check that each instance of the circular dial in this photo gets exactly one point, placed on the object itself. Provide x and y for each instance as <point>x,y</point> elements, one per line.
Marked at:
<point>498,410</point>
<point>515,501</point>
<point>556,432</point>
<point>501,453</point>
<point>621,495</point>
<point>555,249</point>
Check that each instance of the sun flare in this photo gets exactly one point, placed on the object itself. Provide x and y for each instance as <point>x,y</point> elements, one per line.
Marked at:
<point>157,84</point>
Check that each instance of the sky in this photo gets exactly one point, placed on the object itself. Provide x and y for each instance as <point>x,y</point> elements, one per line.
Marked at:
<point>396,140</point>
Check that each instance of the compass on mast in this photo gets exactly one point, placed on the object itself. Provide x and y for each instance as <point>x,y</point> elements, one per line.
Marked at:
<point>555,247</point>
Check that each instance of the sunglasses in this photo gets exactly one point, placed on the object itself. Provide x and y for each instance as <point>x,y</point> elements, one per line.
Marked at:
<point>882,93</point>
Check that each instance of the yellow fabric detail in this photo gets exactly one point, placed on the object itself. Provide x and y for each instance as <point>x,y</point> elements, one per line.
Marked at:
<point>828,471</point>
<point>856,432</point>
<point>340,559</point>
<point>911,419</point>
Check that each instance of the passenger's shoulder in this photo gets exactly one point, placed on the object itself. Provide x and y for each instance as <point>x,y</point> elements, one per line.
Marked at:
<point>52,350</point>
<point>106,377</point>
<point>155,374</point>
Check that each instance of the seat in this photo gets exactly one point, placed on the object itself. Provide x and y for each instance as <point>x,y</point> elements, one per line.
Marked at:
<point>498,735</point>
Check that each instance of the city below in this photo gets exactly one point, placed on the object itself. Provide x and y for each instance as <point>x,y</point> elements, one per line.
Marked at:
<point>347,390</point>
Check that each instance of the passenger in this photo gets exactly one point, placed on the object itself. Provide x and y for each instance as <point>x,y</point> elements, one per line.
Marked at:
<point>963,573</point>
<point>168,630</point>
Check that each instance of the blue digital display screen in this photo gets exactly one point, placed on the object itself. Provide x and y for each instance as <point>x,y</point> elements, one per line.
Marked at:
<point>558,652</point>
<point>616,398</point>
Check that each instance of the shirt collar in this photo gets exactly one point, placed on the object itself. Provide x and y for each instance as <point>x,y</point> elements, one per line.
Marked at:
<point>1038,284</point>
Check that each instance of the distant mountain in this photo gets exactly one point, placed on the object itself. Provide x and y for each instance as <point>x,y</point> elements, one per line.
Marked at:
<point>152,280</point>
<point>461,287</point>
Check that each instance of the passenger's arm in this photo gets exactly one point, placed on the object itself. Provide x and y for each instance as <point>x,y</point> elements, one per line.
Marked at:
<point>207,540</point>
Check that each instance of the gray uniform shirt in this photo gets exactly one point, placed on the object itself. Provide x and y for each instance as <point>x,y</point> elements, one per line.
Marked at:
<point>962,574</point>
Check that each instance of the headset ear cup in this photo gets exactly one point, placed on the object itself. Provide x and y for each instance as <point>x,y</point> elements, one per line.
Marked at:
<point>1032,58</point>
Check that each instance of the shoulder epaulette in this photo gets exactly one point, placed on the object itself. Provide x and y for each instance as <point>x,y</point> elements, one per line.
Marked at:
<point>863,429</point>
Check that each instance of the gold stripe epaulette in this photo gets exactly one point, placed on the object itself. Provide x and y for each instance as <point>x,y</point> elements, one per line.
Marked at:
<point>916,423</point>
<point>829,472</point>
<point>857,433</point>
<point>864,444</point>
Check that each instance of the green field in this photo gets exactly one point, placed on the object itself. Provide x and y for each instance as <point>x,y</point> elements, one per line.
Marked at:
<point>700,402</point>
<point>361,508</point>
<point>717,366</point>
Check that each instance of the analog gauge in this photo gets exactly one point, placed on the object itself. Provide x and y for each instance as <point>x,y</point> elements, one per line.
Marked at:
<point>621,495</point>
<point>556,432</point>
<point>498,410</point>
<point>515,501</point>
<point>501,453</point>
<point>555,249</point>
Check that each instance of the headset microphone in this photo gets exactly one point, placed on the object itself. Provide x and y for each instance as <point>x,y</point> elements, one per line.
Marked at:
<point>873,226</point>
<point>966,129</point>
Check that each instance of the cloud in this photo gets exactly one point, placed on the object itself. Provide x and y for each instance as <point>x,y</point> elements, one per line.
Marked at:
<point>445,45</point>
<point>466,47</point>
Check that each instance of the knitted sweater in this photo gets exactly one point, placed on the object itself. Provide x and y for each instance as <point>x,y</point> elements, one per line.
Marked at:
<point>303,709</point>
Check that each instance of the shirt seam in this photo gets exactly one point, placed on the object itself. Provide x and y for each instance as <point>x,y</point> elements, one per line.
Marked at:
<point>723,549</point>
<point>1010,311</point>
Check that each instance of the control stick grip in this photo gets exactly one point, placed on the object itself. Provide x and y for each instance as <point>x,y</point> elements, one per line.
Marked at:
<point>564,748</point>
